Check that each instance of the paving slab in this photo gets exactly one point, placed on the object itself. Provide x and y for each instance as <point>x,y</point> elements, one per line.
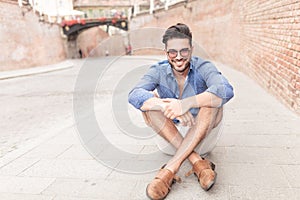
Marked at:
<point>12,196</point>
<point>257,156</point>
<point>24,185</point>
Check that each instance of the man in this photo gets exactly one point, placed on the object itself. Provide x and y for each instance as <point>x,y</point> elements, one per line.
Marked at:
<point>181,90</point>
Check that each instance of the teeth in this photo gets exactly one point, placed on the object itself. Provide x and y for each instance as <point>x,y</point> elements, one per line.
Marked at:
<point>179,62</point>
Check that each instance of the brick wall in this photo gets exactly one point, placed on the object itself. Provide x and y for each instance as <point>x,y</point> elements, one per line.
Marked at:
<point>89,39</point>
<point>26,42</point>
<point>260,38</point>
<point>271,46</point>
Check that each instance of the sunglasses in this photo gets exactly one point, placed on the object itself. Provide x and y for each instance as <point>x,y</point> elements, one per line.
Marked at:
<point>172,53</point>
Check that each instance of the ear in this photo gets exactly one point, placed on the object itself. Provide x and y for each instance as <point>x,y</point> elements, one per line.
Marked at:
<point>165,50</point>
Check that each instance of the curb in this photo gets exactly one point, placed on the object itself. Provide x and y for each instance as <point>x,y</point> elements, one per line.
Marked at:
<point>36,70</point>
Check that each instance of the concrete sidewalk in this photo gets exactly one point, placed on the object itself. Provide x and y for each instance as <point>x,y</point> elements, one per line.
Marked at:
<point>257,156</point>
<point>36,70</point>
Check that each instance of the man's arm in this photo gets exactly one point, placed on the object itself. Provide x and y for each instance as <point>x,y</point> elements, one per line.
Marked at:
<point>153,103</point>
<point>143,91</point>
<point>219,92</point>
<point>205,99</point>
<point>175,107</point>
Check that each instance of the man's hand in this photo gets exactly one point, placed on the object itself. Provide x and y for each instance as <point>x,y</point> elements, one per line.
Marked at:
<point>174,108</point>
<point>187,119</point>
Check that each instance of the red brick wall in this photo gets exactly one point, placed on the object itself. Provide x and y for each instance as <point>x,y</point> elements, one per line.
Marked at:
<point>89,40</point>
<point>271,46</point>
<point>26,42</point>
<point>259,37</point>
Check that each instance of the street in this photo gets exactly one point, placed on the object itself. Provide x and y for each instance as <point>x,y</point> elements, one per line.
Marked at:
<point>33,106</point>
<point>52,144</point>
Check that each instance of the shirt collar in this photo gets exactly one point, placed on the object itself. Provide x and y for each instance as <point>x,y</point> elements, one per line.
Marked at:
<point>169,70</point>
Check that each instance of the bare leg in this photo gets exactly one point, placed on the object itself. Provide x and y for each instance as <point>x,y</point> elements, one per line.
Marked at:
<point>166,128</point>
<point>205,121</point>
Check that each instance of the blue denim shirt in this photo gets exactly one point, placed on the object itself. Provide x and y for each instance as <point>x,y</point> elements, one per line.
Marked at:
<point>203,76</point>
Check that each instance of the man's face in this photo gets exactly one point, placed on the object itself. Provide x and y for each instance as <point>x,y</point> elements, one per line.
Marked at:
<point>179,53</point>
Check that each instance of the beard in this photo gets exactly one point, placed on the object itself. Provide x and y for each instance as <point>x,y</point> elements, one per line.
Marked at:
<point>180,70</point>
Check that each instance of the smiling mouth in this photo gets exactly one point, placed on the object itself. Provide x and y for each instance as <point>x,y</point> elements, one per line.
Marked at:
<point>179,62</point>
<point>180,66</point>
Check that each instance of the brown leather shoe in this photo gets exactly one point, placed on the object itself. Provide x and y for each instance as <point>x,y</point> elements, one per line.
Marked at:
<point>160,187</point>
<point>204,171</point>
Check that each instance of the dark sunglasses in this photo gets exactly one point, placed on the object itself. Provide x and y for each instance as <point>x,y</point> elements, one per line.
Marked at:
<point>172,53</point>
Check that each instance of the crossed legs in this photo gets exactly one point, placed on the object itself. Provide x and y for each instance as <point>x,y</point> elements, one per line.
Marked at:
<point>206,120</point>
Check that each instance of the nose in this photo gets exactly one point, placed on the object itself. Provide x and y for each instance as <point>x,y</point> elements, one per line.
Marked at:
<point>178,57</point>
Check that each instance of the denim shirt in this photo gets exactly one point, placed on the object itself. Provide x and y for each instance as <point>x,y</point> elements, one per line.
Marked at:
<point>202,76</point>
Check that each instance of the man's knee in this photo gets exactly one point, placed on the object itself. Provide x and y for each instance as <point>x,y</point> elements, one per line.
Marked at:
<point>146,118</point>
<point>151,116</point>
<point>219,117</point>
<point>209,117</point>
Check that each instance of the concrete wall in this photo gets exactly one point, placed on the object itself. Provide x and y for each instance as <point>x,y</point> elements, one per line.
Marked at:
<point>260,38</point>
<point>25,42</point>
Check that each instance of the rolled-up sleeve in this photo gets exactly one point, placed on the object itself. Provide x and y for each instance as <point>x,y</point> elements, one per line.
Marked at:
<point>143,90</point>
<point>216,83</point>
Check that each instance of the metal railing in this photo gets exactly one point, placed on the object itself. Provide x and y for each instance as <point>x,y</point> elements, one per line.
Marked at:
<point>53,11</point>
<point>154,5</point>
